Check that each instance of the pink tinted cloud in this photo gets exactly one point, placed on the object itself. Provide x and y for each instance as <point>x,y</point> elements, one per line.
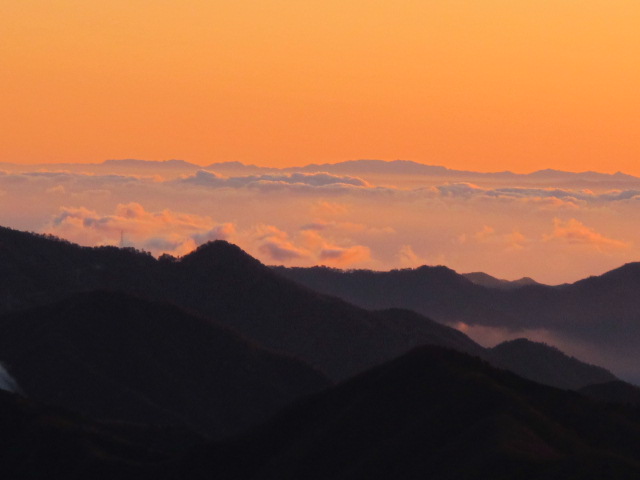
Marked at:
<point>159,232</point>
<point>409,258</point>
<point>307,244</point>
<point>574,232</point>
<point>343,256</point>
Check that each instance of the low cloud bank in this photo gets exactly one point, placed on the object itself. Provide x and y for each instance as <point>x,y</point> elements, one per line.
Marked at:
<point>175,233</point>
<point>552,234</point>
<point>132,225</point>
<point>622,362</point>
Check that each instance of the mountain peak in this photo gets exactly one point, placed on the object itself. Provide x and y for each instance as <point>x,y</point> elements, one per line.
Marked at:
<point>219,253</point>
<point>546,364</point>
<point>486,280</point>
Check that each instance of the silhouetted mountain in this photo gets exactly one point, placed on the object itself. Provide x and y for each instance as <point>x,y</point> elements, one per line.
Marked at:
<point>113,356</point>
<point>614,391</point>
<point>486,280</point>
<point>445,294</point>
<point>328,333</point>
<point>547,365</point>
<point>217,281</point>
<point>601,312</point>
<point>437,414</point>
<point>222,282</point>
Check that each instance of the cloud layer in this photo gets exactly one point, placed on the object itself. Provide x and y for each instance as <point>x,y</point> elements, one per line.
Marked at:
<point>552,233</point>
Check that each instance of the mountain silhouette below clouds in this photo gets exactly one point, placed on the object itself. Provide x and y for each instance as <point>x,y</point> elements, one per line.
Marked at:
<point>597,312</point>
<point>222,283</point>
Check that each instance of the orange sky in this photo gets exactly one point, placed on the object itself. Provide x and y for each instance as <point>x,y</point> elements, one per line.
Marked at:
<point>475,84</point>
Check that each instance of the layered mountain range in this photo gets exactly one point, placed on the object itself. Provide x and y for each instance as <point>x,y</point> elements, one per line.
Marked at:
<point>602,313</point>
<point>217,343</point>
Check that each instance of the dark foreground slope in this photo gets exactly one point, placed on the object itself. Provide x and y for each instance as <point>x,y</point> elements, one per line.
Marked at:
<point>435,414</point>
<point>38,443</point>
<point>614,391</point>
<point>113,356</point>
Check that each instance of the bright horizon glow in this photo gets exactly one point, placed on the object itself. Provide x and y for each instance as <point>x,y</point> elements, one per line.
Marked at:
<point>487,86</point>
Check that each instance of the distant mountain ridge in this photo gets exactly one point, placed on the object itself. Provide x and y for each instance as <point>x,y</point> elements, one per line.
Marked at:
<point>353,167</point>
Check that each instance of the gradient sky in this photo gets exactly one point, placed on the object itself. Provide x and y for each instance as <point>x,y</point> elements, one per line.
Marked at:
<point>477,84</point>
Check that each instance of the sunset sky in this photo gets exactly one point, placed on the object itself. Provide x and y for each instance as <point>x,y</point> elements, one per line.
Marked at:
<point>487,85</point>
<point>482,85</point>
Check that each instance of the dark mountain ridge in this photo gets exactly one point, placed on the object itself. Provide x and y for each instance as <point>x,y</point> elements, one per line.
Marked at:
<point>445,294</point>
<point>602,312</point>
<point>221,282</point>
<point>547,365</point>
<point>436,413</point>
<point>486,280</point>
<point>218,281</point>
